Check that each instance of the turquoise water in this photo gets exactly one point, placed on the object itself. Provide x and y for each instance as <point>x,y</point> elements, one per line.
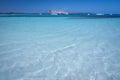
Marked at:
<point>59,48</point>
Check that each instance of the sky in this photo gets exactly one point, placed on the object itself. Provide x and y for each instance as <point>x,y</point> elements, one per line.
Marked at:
<point>97,6</point>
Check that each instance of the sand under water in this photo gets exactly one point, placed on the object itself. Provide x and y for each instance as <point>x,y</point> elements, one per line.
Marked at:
<point>59,48</point>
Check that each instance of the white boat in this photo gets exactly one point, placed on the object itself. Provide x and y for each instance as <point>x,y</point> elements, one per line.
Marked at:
<point>99,14</point>
<point>88,14</point>
<point>54,14</point>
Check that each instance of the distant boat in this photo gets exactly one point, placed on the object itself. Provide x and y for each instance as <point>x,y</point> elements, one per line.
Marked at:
<point>99,14</point>
<point>66,13</point>
<point>88,14</point>
<point>54,14</point>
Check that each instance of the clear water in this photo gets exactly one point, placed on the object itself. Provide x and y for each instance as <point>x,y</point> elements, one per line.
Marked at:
<point>59,48</point>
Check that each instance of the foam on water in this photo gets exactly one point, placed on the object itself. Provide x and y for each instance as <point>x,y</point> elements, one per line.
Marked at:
<point>59,48</point>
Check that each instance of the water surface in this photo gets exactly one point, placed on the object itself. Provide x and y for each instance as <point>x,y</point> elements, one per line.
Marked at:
<point>59,48</point>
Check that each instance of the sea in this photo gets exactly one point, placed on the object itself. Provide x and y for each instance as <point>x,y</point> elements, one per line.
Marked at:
<point>59,47</point>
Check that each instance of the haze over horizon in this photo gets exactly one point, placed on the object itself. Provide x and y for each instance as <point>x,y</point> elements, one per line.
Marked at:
<point>97,6</point>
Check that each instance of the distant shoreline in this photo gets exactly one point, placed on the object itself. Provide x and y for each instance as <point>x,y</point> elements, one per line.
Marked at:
<point>75,15</point>
<point>56,13</point>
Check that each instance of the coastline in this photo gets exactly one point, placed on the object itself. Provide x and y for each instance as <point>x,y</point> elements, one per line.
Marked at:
<point>91,15</point>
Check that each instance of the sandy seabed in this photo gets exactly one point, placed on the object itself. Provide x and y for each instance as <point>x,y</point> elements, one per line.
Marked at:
<point>60,48</point>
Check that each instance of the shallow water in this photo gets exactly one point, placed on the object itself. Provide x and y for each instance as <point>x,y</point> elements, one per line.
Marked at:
<point>59,48</point>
